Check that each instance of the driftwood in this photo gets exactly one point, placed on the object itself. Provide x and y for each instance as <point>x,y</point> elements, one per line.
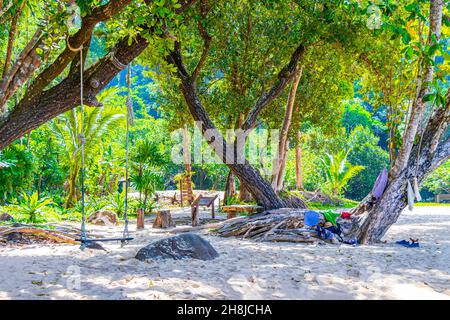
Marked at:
<point>56,236</point>
<point>281,225</point>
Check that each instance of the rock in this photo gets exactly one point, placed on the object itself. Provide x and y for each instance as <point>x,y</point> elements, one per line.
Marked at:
<point>6,217</point>
<point>103,218</point>
<point>187,245</point>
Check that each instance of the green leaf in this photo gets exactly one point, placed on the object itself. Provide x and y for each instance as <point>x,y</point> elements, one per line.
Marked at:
<point>428,97</point>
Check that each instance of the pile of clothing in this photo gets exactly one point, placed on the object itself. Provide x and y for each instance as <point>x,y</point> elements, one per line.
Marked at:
<point>328,229</point>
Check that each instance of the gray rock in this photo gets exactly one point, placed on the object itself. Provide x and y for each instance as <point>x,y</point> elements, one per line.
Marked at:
<point>187,245</point>
<point>6,217</point>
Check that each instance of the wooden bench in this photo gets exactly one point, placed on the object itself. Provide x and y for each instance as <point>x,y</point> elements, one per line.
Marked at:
<point>233,209</point>
<point>202,201</point>
<point>442,197</point>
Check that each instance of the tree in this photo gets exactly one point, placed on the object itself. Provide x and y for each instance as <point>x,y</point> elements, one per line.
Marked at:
<point>41,101</point>
<point>423,144</point>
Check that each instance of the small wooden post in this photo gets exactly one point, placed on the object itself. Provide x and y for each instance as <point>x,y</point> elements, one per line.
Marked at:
<point>140,218</point>
<point>213,214</point>
<point>163,220</point>
<point>195,215</point>
<point>195,211</point>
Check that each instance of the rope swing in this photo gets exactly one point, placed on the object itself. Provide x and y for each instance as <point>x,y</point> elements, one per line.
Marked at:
<point>83,239</point>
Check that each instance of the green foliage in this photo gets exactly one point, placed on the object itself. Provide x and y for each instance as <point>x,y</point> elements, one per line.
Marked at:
<point>117,203</point>
<point>33,208</point>
<point>338,171</point>
<point>365,152</point>
<point>354,93</point>
<point>14,177</point>
<point>439,180</point>
<point>98,125</point>
<point>311,173</point>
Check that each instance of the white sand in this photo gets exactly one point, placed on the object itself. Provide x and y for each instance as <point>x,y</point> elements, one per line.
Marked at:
<point>244,270</point>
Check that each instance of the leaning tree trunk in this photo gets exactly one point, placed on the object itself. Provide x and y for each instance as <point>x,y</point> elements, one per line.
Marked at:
<point>421,152</point>
<point>373,221</point>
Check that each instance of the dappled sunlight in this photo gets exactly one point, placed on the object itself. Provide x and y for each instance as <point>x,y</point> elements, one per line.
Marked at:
<point>244,270</point>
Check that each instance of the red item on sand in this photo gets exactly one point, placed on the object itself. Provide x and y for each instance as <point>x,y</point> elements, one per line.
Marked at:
<point>345,215</point>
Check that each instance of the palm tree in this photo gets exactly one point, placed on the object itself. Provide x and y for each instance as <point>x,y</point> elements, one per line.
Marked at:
<point>338,171</point>
<point>67,128</point>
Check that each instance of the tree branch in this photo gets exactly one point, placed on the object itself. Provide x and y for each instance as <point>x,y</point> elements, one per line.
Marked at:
<point>30,114</point>
<point>5,8</point>
<point>24,67</point>
<point>88,23</point>
<point>206,45</point>
<point>66,95</point>
<point>284,76</point>
<point>11,38</point>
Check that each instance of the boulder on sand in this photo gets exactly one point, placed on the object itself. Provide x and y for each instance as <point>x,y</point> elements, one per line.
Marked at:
<point>187,245</point>
<point>103,218</point>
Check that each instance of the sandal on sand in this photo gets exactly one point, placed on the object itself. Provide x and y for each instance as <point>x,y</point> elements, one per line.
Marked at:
<point>413,244</point>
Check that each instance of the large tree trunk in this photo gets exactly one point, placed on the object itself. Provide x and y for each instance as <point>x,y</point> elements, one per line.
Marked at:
<point>230,187</point>
<point>244,193</point>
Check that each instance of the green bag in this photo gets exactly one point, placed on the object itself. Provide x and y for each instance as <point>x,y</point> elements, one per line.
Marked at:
<point>331,216</point>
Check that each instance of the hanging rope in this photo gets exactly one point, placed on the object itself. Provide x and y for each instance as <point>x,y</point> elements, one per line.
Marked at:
<point>85,241</point>
<point>129,104</point>
<point>82,140</point>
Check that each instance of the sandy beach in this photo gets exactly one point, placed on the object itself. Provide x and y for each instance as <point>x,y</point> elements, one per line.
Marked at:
<point>244,270</point>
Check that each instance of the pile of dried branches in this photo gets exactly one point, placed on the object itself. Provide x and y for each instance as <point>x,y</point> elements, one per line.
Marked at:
<point>282,225</point>
<point>26,234</point>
